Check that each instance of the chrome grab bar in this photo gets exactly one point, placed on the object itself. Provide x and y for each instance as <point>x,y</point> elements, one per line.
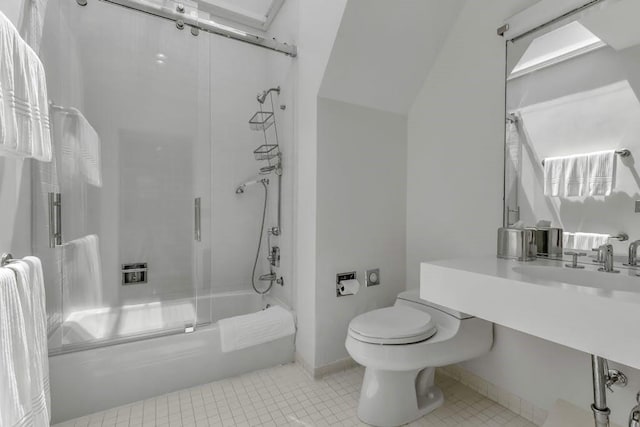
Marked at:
<point>197,231</point>
<point>5,259</point>
<point>135,270</point>
<point>55,219</point>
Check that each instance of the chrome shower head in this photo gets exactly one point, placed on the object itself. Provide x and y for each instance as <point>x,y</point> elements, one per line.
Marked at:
<point>242,187</point>
<point>263,96</point>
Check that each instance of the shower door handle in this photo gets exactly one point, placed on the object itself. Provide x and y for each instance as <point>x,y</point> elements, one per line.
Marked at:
<point>55,219</point>
<point>197,234</point>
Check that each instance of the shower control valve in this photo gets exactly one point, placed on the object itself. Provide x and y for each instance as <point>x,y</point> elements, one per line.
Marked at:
<point>275,231</point>
<point>274,258</point>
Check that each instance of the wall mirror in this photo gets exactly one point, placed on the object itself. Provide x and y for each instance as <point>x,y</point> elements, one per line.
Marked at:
<point>572,126</point>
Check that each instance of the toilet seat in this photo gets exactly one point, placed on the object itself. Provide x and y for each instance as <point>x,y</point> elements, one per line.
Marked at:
<point>393,325</point>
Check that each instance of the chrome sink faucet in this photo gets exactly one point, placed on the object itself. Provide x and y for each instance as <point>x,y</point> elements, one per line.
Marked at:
<point>633,254</point>
<point>605,252</point>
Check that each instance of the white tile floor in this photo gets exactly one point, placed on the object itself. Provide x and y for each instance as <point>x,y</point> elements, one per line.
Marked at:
<point>286,396</point>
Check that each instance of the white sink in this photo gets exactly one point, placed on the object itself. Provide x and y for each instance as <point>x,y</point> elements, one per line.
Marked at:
<point>624,281</point>
<point>589,310</point>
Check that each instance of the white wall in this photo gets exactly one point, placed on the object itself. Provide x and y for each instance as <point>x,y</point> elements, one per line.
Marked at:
<point>361,208</point>
<point>13,9</point>
<point>455,154</point>
<point>317,24</point>
<point>384,49</point>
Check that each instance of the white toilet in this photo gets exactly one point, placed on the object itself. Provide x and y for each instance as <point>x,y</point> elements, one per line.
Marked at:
<point>401,346</point>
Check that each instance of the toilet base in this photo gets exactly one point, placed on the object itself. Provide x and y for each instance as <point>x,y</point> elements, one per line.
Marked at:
<point>393,398</point>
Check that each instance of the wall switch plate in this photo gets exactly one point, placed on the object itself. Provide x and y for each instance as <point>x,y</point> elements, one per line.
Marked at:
<point>372,277</point>
<point>637,206</point>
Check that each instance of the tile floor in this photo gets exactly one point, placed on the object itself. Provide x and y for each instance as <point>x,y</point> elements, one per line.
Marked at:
<point>286,396</point>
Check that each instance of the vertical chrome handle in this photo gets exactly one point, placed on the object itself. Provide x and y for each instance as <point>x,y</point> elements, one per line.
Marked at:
<point>197,233</point>
<point>55,219</point>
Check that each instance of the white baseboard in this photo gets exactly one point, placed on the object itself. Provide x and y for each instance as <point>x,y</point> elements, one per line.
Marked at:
<point>331,368</point>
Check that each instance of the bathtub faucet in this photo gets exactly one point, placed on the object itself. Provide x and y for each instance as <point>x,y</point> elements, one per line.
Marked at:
<point>268,277</point>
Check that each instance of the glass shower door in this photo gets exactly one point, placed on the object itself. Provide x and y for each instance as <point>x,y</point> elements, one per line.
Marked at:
<point>131,137</point>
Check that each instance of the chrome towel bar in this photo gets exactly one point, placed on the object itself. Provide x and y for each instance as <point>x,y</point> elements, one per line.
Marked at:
<point>622,153</point>
<point>6,259</point>
<point>622,237</point>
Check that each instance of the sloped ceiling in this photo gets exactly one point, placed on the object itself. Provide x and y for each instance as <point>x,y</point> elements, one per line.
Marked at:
<point>385,49</point>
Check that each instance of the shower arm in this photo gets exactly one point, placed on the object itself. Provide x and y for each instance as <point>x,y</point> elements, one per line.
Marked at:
<point>263,96</point>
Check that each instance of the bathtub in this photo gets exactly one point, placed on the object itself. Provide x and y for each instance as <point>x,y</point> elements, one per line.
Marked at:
<point>101,378</point>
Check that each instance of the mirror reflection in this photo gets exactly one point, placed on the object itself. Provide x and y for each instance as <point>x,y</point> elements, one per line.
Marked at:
<point>572,129</point>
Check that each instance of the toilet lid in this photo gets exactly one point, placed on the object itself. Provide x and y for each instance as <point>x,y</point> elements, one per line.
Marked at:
<point>393,325</point>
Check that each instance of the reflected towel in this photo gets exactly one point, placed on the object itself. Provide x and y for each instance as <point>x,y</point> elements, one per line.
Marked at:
<point>602,172</point>
<point>553,176</point>
<point>584,241</point>
<point>15,378</point>
<point>513,168</point>
<point>28,273</point>
<point>33,22</point>
<point>26,129</point>
<point>256,328</point>
<point>79,145</point>
<point>82,281</point>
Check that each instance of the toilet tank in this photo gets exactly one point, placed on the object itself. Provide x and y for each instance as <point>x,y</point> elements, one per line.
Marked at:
<point>443,316</point>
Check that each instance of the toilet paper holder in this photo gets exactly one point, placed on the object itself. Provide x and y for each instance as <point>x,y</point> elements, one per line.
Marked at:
<point>351,275</point>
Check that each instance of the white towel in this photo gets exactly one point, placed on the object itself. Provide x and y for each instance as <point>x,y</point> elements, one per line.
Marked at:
<point>584,241</point>
<point>30,283</point>
<point>82,266</point>
<point>8,33</point>
<point>553,176</point>
<point>575,175</point>
<point>25,117</point>
<point>15,375</point>
<point>256,328</point>
<point>580,175</point>
<point>601,172</point>
<point>39,307</point>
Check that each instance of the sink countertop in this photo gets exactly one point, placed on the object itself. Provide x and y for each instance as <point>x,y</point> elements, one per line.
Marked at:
<point>603,321</point>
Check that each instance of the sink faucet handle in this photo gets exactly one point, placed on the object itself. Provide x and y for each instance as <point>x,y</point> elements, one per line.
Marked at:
<point>599,255</point>
<point>633,254</point>
<point>574,261</point>
<point>606,251</point>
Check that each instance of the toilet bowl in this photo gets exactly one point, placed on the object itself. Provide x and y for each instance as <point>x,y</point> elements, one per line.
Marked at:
<point>400,347</point>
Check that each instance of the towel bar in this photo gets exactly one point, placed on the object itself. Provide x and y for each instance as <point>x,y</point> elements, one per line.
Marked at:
<point>622,237</point>
<point>6,259</point>
<point>622,153</point>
